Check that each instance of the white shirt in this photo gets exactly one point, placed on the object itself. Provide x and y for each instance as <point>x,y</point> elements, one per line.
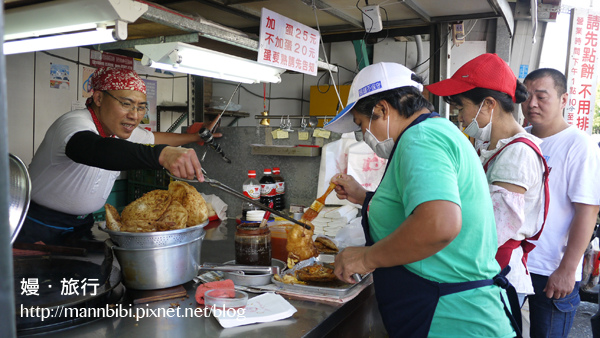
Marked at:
<point>518,164</point>
<point>574,163</point>
<point>59,183</point>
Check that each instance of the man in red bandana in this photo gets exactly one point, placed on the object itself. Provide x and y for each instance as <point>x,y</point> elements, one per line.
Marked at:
<point>74,169</point>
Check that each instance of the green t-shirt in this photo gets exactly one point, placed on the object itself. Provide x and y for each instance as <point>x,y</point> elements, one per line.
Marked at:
<point>434,161</point>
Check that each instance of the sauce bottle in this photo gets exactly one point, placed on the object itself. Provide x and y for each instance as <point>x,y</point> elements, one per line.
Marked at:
<point>251,189</point>
<point>268,188</point>
<point>279,189</point>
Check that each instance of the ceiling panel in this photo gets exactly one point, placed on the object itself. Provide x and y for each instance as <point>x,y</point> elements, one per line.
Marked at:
<point>211,11</point>
<point>454,7</point>
<point>334,16</point>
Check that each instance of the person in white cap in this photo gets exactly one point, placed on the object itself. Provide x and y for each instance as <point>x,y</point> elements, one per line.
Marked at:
<point>431,236</point>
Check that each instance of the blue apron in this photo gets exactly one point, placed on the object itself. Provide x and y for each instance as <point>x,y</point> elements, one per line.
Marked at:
<point>407,301</point>
<point>53,227</point>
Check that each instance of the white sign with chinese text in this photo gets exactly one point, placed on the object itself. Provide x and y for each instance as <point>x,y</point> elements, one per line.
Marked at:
<point>581,70</point>
<point>287,44</point>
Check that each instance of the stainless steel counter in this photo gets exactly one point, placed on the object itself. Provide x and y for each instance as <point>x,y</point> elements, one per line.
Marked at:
<point>357,318</point>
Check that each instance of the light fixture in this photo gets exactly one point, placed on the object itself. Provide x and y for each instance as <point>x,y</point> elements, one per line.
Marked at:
<point>185,58</point>
<point>62,16</point>
<point>63,41</point>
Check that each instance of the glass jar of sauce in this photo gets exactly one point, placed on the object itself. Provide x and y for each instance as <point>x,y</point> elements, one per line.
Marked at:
<point>252,245</point>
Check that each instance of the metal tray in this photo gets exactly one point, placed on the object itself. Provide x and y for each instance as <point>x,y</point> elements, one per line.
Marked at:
<point>337,289</point>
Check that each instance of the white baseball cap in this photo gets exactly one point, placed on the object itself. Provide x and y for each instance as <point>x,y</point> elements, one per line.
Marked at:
<point>370,80</point>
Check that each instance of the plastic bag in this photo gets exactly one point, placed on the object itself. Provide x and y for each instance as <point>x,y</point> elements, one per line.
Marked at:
<point>591,271</point>
<point>351,235</point>
<point>334,160</point>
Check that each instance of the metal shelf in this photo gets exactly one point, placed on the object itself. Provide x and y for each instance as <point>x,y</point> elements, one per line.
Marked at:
<point>307,151</point>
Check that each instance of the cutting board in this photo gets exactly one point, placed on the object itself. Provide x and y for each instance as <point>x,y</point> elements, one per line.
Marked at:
<point>148,296</point>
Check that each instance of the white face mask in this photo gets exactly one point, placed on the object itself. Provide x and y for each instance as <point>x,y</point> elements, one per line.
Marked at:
<point>475,132</point>
<point>383,148</point>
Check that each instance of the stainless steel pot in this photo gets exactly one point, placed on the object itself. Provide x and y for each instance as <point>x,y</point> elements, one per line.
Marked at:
<point>160,267</point>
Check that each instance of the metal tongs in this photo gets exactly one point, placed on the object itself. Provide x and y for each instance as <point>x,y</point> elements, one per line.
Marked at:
<point>240,268</point>
<point>239,195</point>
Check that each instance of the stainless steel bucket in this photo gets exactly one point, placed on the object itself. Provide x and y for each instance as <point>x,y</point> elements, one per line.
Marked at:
<point>161,267</point>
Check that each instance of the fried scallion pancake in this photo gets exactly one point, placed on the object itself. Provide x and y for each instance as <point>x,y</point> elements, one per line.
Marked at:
<point>175,214</point>
<point>150,207</point>
<point>191,200</point>
<point>113,220</point>
<point>326,245</point>
<point>159,210</point>
<point>288,279</point>
<point>315,273</point>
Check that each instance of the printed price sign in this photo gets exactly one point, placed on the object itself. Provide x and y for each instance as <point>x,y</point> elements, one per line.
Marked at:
<point>288,44</point>
<point>99,59</point>
<point>581,74</point>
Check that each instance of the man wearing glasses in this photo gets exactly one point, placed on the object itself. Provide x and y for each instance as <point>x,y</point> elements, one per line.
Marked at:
<point>74,169</point>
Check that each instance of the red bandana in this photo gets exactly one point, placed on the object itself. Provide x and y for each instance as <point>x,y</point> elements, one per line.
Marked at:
<point>106,78</point>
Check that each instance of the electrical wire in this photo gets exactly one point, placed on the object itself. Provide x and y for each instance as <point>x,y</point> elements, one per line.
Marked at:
<point>364,36</point>
<point>338,78</point>
<point>325,54</point>
<point>350,70</point>
<point>387,20</point>
<point>319,87</point>
<point>437,51</point>
<point>261,96</point>
<point>469,32</point>
<point>216,123</point>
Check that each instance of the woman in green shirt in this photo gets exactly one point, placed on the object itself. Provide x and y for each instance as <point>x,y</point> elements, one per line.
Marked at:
<point>431,236</point>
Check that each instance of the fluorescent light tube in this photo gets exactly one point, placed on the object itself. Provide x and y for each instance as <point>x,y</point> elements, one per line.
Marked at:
<point>199,72</point>
<point>63,16</point>
<point>186,58</point>
<point>59,41</point>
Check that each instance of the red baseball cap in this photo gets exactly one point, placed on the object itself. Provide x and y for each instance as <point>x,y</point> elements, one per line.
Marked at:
<point>485,71</point>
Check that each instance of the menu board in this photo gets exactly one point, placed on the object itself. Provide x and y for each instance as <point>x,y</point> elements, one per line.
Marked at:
<point>581,70</point>
<point>285,43</point>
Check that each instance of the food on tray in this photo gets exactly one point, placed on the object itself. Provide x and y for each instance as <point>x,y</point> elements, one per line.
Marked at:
<point>315,273</point>
<point>326,245</point>
<point>288,279</point>
<point>300,245</point>
<point>159,210</point>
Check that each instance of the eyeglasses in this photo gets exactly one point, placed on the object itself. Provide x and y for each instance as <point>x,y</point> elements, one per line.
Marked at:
<point>128,106</point>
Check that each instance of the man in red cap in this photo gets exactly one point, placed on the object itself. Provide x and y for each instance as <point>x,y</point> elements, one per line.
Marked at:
<point>74,169</point>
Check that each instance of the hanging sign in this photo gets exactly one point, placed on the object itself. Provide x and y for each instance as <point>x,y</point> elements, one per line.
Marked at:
<point>581,70</point>
<point>99,59</point>
<point>285,43</point>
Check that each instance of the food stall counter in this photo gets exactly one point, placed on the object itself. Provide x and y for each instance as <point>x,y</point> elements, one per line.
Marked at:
<point>182,316</point>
